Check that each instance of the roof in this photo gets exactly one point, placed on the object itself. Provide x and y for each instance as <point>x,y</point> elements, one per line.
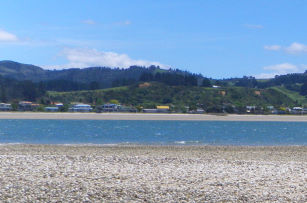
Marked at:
<point>162,107</point>
<point>51,107</point>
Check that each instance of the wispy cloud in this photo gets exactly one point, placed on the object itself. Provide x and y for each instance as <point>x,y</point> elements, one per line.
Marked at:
<point>89,22</point>
<point>281,69</point>
<point>294,48</point>
<point>7,37</point>
<point>81,58</point>
<point>123,23</point>
<point>272,47</point>
<point>253,26</point>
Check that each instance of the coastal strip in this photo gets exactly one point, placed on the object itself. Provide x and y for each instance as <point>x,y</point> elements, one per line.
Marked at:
<point>58,173</point>
<point>148,116</point>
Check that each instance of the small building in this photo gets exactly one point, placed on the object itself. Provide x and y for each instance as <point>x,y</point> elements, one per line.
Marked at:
<point>158,109</point>
<point>150,111</point>
<point>109,108</point>
<point>250,109</point>
<point>52,109</point>
<point>59,105</point>
<point>5,107</point>
<point>163,109</point>
<point>27,106</point>
<point>197,111</point>
<point>297,110</point>
<point>81,108</point>
<point>127,109</point>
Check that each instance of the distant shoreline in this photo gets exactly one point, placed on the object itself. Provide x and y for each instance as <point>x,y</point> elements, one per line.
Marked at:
<point>148,116</point>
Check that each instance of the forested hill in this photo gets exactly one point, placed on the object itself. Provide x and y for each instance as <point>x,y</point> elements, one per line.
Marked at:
<point>28,82</point>
<point>98,77</point>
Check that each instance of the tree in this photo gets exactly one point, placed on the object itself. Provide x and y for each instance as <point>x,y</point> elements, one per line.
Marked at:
<point>94,85</point>
<point>3,94</point>
<point>206,83</point>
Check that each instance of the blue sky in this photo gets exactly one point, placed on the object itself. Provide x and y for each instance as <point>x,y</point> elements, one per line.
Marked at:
<point>218,39</point>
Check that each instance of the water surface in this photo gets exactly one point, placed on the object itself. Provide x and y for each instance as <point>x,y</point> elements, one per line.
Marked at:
<point>152,132</point>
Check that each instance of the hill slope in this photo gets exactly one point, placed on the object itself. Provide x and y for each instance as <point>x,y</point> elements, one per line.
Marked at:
<point>152,94</point>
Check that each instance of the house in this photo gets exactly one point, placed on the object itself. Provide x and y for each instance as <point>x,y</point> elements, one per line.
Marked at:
<point>297,110</point>
<point>158,109</point>
<point>27,106</point>
<point>162,109</point>
<point>59,105</point>
<point>250,109</point>
<point>81,108</point>
<point>109,108</point>
<point>127,109</point>
<point>5,107</point>
<point>150,111</point>
<point>52,109</point>
<point>197,111</point>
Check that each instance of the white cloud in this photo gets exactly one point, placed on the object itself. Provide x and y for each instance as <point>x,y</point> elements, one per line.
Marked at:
<point>281,69</point>
<point>89,22</point>
<point>7,37</point>
<point>272,47</point>
<point>253,26</point>
<point>81,58</point>
<point>296,48</point>
<point>265,75</point>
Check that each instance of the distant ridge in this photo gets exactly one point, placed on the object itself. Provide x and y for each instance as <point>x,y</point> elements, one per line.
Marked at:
<point>104,76</point>
<point>19,71</point>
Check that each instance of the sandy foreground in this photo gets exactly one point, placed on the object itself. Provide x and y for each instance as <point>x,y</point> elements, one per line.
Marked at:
<point>51,173</point>
<point>145,116</point>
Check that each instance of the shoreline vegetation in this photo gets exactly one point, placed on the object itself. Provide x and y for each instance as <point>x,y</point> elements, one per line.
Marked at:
<point>41,173</point>
<point>149,116</point>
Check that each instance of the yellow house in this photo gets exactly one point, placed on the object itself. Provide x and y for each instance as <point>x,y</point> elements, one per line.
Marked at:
<point>162,109</point>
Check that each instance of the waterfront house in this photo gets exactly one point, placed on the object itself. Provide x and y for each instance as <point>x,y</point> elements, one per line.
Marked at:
<point>163,109</point>
<point>150,111</point>
<point>297,110</point>
<point>127,109</point>
<point>27,106</point>
<point>250,109</point>
<point>59,105</point>
<point>109,108</point>
<point>52,109</point>
<point>81,108</point>
<point>158,109</point>
<point>5,107</point>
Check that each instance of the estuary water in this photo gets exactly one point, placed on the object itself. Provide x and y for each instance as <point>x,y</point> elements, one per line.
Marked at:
<point>153,132</point>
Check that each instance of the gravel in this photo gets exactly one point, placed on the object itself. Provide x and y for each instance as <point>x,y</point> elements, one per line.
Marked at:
<point>59,173</point>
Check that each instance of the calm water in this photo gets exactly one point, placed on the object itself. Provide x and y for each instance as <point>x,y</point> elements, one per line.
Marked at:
<point>152,132</point>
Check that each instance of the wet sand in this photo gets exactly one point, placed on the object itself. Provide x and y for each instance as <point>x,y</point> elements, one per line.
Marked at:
<point>145,116</point>
<point>51,173</point>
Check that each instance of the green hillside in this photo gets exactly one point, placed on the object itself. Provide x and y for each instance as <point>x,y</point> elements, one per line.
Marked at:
<point>148,95</point>
<point>295,96</point>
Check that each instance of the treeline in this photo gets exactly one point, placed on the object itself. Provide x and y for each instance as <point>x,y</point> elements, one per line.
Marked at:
<point>11,89</point>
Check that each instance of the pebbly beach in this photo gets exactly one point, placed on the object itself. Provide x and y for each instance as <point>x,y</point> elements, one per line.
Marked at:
<point>77,173</point>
